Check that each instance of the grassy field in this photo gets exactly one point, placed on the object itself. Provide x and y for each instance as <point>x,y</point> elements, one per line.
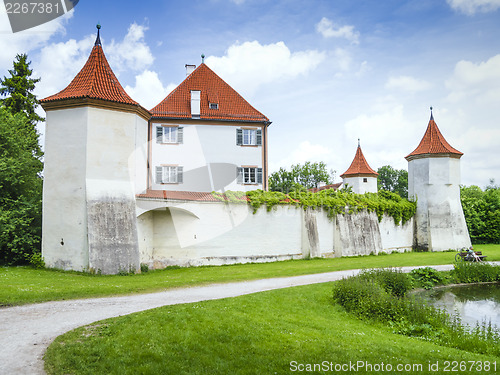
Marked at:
<point>273,332</point>
<point>21,285</point>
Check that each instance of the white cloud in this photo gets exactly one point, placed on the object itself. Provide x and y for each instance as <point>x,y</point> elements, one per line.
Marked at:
<point>407,83</point>
<point>132,52</point>
<point>305,151</point>
<point>330,30</point>
<point>249,65</point>
<point>148,89</point>
<point>58,72</point>
<point>27,40</point>
<point>479,81</point>
<point>470,7</point>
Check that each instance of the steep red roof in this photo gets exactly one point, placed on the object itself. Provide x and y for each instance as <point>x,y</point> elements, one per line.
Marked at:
<point>433,142</point>
<point>231,105</point>
<point>96,80</point>
<point>359,166</point>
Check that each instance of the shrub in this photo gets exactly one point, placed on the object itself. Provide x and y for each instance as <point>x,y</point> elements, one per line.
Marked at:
<point>475,272</point>
<point>427,277</point>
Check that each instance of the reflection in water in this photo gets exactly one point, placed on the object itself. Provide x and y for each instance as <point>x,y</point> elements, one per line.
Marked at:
<point>472,303</point>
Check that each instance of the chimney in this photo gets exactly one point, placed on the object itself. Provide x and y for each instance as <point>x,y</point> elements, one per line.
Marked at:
<point>189,69</point>
<point>195,103</point>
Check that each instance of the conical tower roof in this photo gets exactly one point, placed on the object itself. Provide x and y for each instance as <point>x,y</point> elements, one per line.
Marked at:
<point>214,90</point>
<point>433,144</point>
<point>95,81</point>
<point>359,166</point>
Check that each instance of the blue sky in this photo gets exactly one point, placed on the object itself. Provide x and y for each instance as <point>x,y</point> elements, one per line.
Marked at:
<point>325,72</point>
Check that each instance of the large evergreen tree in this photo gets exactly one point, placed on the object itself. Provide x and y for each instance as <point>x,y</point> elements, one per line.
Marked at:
<point>19,98</point>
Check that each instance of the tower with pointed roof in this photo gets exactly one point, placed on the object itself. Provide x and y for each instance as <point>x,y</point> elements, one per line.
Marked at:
<point>95,164</point>
<point>360,176</point>
<point>434,181</point>
<point>207,137</point>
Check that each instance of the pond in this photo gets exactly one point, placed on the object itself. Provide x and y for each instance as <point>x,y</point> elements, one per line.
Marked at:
<point>472,303</point>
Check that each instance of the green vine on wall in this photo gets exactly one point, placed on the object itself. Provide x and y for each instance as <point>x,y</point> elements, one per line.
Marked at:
<point>331,201</point>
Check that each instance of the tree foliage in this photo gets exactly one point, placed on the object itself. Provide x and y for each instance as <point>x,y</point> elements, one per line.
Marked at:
<point>395,180</point>
<point>482,212</point>
<point>300,177</point>
<point>20,191</point>
<point>19,97</point>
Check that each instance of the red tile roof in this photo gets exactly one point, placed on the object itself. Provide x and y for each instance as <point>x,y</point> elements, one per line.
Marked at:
<point>96,80</point>
<point>433,142</point>
<point>332,186</point>
<point>232,106</point>
<point>180,195</point>
<point>359,166</point>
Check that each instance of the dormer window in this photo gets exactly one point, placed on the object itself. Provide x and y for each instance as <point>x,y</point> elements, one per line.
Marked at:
<point>214,106</point>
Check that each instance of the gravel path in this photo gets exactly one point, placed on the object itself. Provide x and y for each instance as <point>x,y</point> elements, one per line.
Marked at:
<point>26,331</point>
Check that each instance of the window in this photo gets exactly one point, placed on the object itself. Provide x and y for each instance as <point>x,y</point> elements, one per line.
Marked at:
<point>249,175</point>
<point>365,179</point>
<point>214,106</point>
<point>167,174</point>
<point>169,134</point>
<point>248,137</point>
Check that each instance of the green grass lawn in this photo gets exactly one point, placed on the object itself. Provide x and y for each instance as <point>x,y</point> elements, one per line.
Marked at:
<point>21,285</point>
<point>265,333</point>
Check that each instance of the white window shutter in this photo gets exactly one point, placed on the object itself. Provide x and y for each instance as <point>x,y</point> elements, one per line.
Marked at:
<point>239,175</point>
<point>180,175</point>
<point>180,135</point>
<point>259,175</point>
<point>259,137</point>
<point>239,137</point>
<point>195,103</point>
<point>159,134</point>
<point>159,175</point>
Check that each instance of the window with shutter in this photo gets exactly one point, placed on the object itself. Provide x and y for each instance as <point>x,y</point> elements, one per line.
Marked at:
<point>239,175</point>
<point>249,175</point>
<point>159,134</point>
<point>259,137</point>
<point>180,135</point>
<point>259,175</point>
<point>169,175</point>
<point>159,175</point>
<point>239,137</point>
<point>169,134</point>
<point>180,175</point>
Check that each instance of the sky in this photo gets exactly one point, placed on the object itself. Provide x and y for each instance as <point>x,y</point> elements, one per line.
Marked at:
<point>324,72</point>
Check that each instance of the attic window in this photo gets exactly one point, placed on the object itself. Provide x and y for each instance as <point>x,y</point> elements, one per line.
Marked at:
<point>214,106</point>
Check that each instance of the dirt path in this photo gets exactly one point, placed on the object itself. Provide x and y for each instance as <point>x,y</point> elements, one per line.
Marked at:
<point>26,331</point>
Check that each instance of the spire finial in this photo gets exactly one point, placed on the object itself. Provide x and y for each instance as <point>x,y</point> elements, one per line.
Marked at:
<point>358,143</point>
<point>98,39</point>
<point>432,117</point>
<point>202,58</point>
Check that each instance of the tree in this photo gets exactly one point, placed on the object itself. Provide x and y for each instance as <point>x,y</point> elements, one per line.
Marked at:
<point>394,180</point>
<point>482,212</point>
<point>20,191</point>
<point>301,177</point>
<point>20,99</point>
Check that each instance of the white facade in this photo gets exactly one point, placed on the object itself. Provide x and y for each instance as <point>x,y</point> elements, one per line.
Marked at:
<point>435,183</point>
<point>361,185</point>
<point>206,156</point>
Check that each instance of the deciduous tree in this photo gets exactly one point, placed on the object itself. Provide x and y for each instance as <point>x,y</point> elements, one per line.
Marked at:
<point>395,180</point>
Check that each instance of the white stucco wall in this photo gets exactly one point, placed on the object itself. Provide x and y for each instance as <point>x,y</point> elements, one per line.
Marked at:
<point>64,221</point>
<point>206,144</point>
<point>361,187</point>
<point>200,233</point>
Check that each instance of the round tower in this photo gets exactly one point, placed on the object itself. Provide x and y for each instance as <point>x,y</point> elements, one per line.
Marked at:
<point>94,166</point>
<point>360,176</point>
<point>434,181</point>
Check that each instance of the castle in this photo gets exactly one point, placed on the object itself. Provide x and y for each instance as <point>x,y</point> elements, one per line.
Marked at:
<point>124,185</point>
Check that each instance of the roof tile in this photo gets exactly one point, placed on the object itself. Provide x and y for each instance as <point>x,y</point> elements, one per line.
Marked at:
<point>359,166</point>
<point>231,105</point>
<point>433,142</point>
<point>96,80</point>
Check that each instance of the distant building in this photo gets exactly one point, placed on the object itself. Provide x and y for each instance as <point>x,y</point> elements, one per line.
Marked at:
<point>360,176</point>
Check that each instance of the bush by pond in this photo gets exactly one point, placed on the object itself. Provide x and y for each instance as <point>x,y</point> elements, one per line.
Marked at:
<point>381,296</point>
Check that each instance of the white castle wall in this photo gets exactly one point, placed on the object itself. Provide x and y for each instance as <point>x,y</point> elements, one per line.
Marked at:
<point>202,233</point>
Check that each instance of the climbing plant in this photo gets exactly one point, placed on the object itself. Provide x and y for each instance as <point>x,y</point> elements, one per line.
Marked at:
<point>331,201</point>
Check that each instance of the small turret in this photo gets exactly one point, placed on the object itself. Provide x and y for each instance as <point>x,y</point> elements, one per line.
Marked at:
<point>360,176</point>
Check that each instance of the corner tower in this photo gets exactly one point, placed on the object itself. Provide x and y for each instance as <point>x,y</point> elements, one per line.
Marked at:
<point>95,163</point>
<point>360,175</point>
<point>434,181</point>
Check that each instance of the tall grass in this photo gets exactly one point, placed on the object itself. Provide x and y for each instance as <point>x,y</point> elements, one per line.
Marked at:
<point>381,296</point>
